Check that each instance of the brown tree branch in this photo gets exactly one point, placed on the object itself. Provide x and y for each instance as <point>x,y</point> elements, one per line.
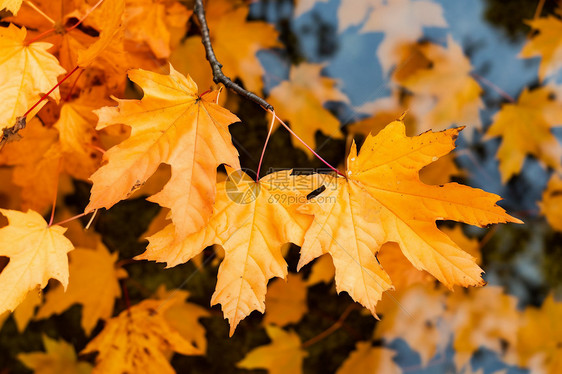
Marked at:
<point>218,75</point>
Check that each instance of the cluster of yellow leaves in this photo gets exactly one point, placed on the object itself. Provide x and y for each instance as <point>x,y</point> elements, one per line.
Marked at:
<point>372,205</point>
<point>377,222</point>
<point>428,320</point>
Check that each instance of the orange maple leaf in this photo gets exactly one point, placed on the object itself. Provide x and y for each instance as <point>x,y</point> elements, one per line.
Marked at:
<point>95,285</point>
<point>150,21</point>
<point>401,21</point>
<point>551,204</point>
<point>137,341</point>
<point>525,127</point>
<point>251,222</point>
<point>37,253</point>
<point>11,5</point>
<point>60,357</point>
<point>170,124</point>
<point>236,42</point>
<point>439,77</point>
<point>27,71</point>
<point>382,200</point>
<point>368,359</point>
<point>546,44</point>
<point>110,24</point>
<point>283,355</point>
<point>300,101</point>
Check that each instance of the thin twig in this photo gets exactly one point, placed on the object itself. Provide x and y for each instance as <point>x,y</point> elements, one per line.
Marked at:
<point>8,133</point>
<point>538,11</point>
<point>494,87</point>
<point>265,145</point>
<point>216,66</point>
<point>330,330</point>
<point>84,16</point>
<point>307,146</point>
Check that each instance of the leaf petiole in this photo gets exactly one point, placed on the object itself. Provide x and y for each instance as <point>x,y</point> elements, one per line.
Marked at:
<point>265,144</point>
<point>307,146</point>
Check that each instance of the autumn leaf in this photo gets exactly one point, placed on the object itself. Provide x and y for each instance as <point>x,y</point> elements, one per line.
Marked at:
<point>94,284</point>
<point>547,44</point>
<point>150,21</point>
<point>540,337</point>
<point>285,300</point>
<point>368,359</point>
<point>251,221</point>
<point>36,157</point>
<point>483,317</point>
<point>283,355</point>
<point>322,270</point>
<point>381,112</point>
<point>183,316</point>
<point>300,101</point>
<point>11,5</point>
<point>25,311</point>
<point>382,200</point>
<point>37,253</point>
<point>79,141</point>
<point>401,271</point>
<point>401,21</point>
<point>551,205</point>
<point>110,16</point>
<point>136,341</point>
<point>59,358</point>
<point>236,42</point>
<point>27,72</point>
<point>413,315</point>
<point>525,128</point>
<point>170,124</point>
<point>444,91</point>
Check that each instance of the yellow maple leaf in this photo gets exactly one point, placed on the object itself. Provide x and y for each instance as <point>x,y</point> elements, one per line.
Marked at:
<point>484,317</point>
<point>150,21</point>
<point>525,127</point>
<point>382,200</point>
<point>170,124</point>
<point>77,135</point>
<point>283,355</point>
<point>368,359</point>
<point>27,71</point>
<point>251,222</point>
<point>540,338</point>
<point>110,20</point>
<point>401,21</point>
<point>401,271</point>
<point>300,101</point>
<point>551,205</point>
<point>285,301</point>
<point>381,112</point>
<point>136,341</point>
<point>94,283</point>
<point>439,77</point>
<point>24,311</point>
<point>184,317</point>
<point>59,358</point>
<point>36,157</point>
<point>413,315</point>
<point>11,5</point>
<point>546,44</point>
<point>322,271</point>
<point>236,42</point>
<point>37,253</point>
